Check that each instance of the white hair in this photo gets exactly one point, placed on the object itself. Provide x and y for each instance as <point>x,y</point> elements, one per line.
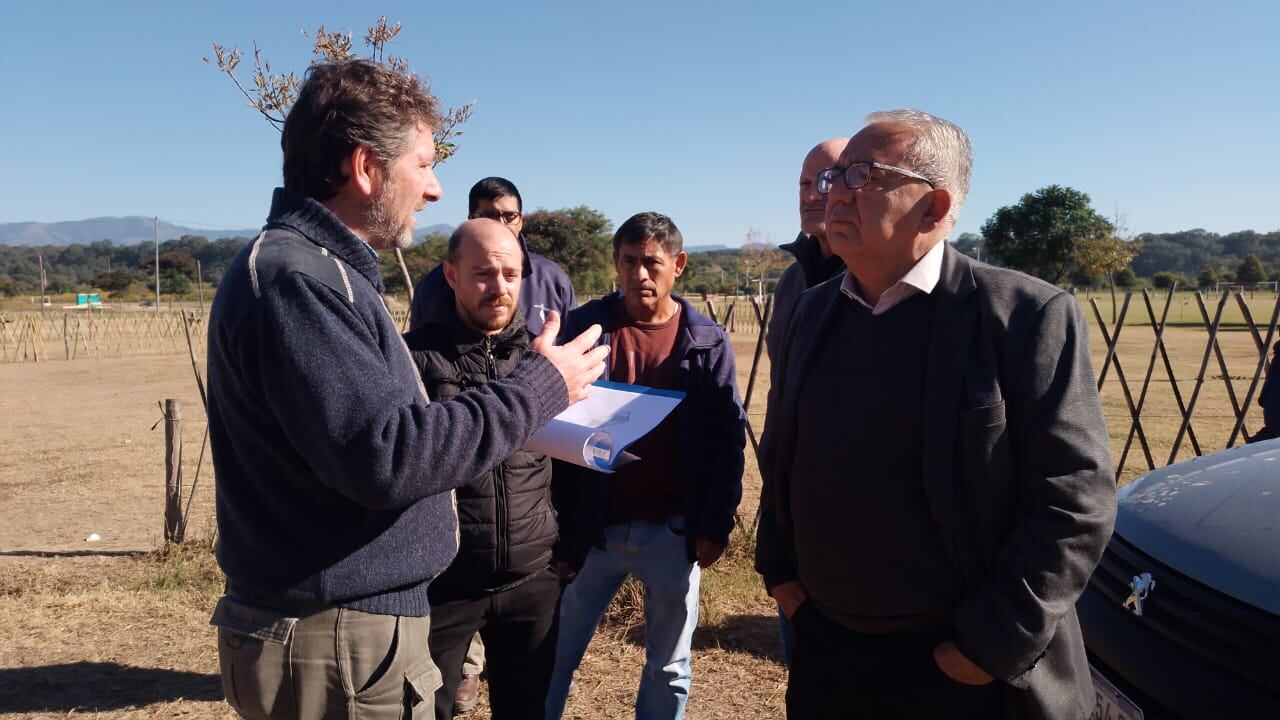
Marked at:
<point>939,151</point>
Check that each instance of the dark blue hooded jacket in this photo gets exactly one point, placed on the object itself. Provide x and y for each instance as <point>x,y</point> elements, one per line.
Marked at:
<point>712,429</point>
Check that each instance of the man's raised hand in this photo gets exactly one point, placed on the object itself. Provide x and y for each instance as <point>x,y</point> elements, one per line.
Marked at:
<point>579,363</point>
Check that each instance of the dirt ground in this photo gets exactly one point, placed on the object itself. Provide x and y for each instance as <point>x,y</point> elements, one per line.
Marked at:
<point>92,629</point>
<point>80,455</point>
<point>109,629</point>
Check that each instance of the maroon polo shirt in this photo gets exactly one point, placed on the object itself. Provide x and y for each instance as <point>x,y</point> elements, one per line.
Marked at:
<point>640,353</point>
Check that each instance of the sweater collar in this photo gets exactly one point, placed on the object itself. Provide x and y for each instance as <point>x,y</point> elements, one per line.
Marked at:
<point>318,224</point>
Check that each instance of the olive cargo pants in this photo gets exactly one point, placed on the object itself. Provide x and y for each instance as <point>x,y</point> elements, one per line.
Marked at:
<point>333,663</point>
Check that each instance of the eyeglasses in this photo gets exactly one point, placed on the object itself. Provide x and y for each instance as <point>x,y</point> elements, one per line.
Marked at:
<point>510,217</point>
<point>858,175</point>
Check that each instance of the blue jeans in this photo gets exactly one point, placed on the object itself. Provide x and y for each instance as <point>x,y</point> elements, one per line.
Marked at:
<point>655,553</point>
<point>787,636</point>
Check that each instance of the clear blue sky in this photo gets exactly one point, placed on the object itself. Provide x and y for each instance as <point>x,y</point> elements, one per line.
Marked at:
<point>1167,110</point>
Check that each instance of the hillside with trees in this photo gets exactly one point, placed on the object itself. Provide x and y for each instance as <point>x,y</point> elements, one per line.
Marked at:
<point>578,238</point>
<point>121,270</point>
<point>1055,234</point>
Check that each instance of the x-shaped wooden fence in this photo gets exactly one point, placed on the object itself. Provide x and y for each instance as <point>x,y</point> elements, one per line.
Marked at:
<point>1159,351</point>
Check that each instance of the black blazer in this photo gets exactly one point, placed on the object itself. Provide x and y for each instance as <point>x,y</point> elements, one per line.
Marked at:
<point>1016,464</point>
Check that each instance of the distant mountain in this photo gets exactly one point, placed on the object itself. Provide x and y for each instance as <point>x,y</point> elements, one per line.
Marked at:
<point>120,230</point>
<point>706,248</point>
<point>419,234</point>
<point>131,230</point>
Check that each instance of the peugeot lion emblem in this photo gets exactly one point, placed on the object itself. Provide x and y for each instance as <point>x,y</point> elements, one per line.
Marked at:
<point>1142,585</point>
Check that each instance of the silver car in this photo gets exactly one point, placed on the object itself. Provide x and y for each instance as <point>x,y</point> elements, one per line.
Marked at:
<point>1182,617</point>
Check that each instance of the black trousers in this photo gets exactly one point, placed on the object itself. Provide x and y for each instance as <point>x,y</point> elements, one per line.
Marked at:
<point>519,628</point>
<point>839,673</point>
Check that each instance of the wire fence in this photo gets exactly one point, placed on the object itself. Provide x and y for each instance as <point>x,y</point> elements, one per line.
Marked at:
<point>82,334</point>
<point>33,336</point>
<point>1154,383</point>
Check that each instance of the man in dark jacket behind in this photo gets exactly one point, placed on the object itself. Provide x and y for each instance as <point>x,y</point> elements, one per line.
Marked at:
<point>667,516</point>
<point>815,263</point>
<point>544,285</point>
<point>499,583</point>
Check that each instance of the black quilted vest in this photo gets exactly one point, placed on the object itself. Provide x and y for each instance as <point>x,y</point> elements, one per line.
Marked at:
<point>505,516</point>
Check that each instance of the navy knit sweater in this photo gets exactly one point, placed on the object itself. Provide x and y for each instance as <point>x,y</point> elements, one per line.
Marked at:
<point>334,472</point>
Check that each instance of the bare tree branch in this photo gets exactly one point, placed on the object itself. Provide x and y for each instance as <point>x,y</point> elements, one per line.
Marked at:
<point>331,46</point>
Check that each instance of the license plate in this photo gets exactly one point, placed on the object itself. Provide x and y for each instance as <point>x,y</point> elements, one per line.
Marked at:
<point>1109,703</point>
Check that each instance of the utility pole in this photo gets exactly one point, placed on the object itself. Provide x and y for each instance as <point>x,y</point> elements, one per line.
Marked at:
<point>200,286</point>
<point>156,225</point>
<point>42,279</point>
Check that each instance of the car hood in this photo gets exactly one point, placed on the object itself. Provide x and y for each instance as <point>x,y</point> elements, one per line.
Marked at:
<point>1215,519</point>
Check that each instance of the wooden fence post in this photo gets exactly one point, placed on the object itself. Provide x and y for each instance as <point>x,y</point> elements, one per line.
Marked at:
<point>173,526</point>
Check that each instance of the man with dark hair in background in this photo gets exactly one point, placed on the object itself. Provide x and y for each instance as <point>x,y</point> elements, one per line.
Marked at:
<point>334,471</point>
<point>499,586</point>
<point>666,517</point>
<point>544,287</point>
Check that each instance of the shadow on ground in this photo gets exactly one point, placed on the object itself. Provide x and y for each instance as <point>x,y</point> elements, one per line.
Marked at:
<point>753,634</point>
<point>71,553</point>
<point>95,687</point>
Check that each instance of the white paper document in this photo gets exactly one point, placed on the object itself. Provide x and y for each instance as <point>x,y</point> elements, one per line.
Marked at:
<point>596,432</point>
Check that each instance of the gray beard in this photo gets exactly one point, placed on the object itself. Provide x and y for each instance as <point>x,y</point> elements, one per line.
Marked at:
<point>384,229</point>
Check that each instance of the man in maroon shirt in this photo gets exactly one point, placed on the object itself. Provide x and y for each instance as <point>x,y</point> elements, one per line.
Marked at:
<point>667,516</point>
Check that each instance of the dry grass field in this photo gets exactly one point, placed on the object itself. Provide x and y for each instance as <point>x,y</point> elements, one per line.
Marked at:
<point>116,628</point>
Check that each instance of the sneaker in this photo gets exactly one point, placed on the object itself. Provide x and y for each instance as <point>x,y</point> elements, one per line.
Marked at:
<point>468,695</point>
<point>573,688</point>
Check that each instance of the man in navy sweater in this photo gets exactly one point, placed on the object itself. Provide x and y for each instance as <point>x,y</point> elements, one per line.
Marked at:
<point>335,474</point>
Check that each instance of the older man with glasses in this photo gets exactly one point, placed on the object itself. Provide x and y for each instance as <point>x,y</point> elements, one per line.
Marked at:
<point>545,285</point>
<point>937,481</point>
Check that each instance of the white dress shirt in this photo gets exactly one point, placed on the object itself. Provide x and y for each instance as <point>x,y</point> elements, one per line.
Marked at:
<point>921,278</point>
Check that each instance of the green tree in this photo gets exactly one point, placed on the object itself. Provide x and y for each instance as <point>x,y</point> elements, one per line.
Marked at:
<point>419,259</point>
<point>116,280</point>
<point>579,239</point>
<point>1165,280</point>
<point>709,272</point>
<point>1207,278</point>
<point>1042,233</point>
<point>1125,278</point>
<point>177,272</point>
<point>1104,255</point>
<point>1251,270</point>
<point>969,244</point>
